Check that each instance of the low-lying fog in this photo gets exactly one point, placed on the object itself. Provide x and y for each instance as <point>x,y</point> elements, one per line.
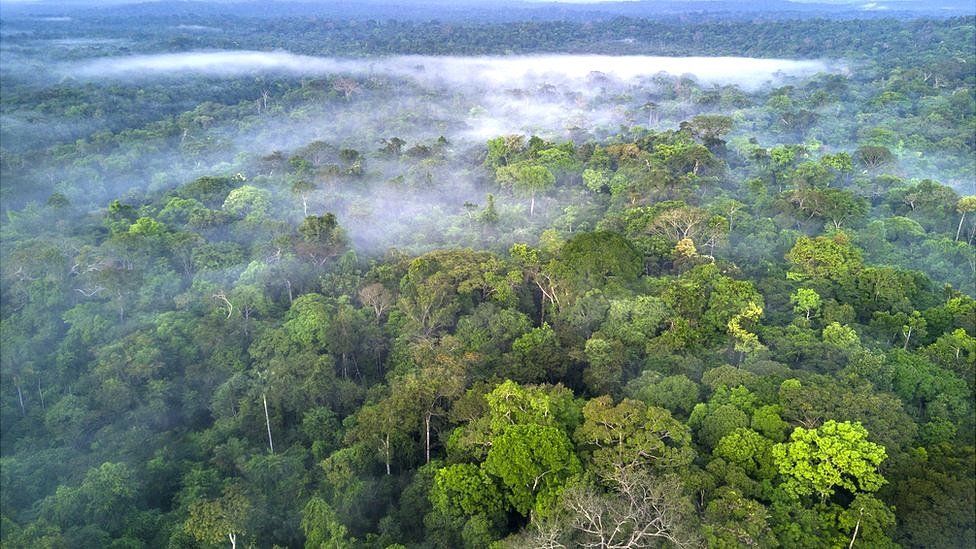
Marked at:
<point>542,94</point>
<point>482,72</point>
<point>415,98</point>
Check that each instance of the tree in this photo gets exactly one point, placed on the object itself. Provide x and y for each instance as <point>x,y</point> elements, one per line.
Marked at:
<point>715,420</point>
<point>526,179</point>
<point>830,257</point>
<point>302,188</point>
<point>381,426</point>
<point>322,527</point>
<point>745,341</point>
<point>547,405</point>
<point>748,450</point>
<point>377,297</point>
<point>711,127</point>
<point>837,206</point>
<point>211,521</point>
<point>679,394</point>
<point>835,455</point>
<point>535,356</point>
<point>914,326</point>
<point>465,490</point>
<point>392,146</point>
<point>431,389</point>
<point>688,222</point>
<point>442,284</point>
<point>841,338</point>
<point>934,495</point>
<point>248,202</point>
<point>209,190</point>
<point>873,157</point>
<point>321,238</point>
<point>489,215</point>
<point>595,180</point>
<point>965,205</point>
<point>806,301</point>
<point>641,511</point>
<point>732,521</point>
<point>631,435</point>
<point>533,464</point>
<point>591,260</point>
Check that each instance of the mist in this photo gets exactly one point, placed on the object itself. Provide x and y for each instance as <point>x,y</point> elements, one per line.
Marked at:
<point>490,72</point>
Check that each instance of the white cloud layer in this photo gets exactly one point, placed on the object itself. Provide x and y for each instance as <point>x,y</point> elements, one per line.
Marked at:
<point>512,71</point>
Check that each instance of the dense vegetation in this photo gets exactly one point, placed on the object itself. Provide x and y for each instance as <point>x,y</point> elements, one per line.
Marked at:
<point>749,321</point>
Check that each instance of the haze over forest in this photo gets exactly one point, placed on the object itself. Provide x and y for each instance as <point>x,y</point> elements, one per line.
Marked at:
<point>469,274</point>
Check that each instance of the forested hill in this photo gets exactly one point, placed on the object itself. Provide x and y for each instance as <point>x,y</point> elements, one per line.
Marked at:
<point>367,308</point>
<point>498,11</point>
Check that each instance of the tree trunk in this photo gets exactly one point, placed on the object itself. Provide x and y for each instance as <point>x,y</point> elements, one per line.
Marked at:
<point>532,205</point>
<point>20,396</point>
<point>267,421</point>
<point>427,437</point>
<point>856,528</point>
<point>387,448</point>
<point>959,229</point>
<point>233,540</point>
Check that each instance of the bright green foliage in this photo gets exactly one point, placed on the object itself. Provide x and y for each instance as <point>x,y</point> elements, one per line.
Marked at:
<point>745,341</point>
<point>308,320</point>
<point>835,455</point>
<point>806,302</point>
<point>533,464</point>
<point>146,226</point>
<point>631,435</point>
<point>713,423</point>
<point>749,450</point>
<point>841,338</point>
<point>248,202</point>
<point>514,404</point>
<point>727,410</point>
<point>830,257</point>
<point>504,150</point>
<point>465,490</point>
